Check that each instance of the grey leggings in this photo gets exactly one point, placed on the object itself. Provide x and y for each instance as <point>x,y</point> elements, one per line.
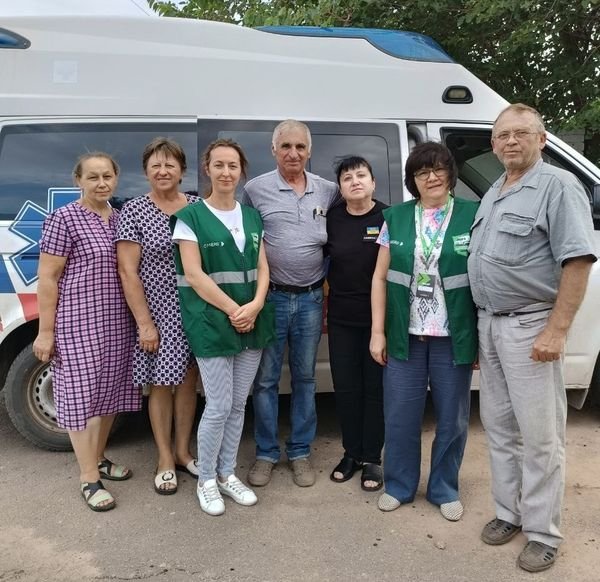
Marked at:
<point>227,381</point>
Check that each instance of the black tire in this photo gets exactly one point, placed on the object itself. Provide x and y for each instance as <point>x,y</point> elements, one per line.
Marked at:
<point>594,395</point>
<point>30,403</point>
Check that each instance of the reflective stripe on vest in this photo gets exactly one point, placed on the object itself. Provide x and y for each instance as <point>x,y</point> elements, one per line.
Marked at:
<point>455,281</point>
<point>224,277</point>
<point>398,277</point>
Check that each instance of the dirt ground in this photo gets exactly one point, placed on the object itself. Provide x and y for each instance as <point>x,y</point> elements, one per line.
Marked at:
<point>328,532</point>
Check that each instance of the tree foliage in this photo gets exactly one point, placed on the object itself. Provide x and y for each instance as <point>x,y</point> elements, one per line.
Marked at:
<point>543,52</point>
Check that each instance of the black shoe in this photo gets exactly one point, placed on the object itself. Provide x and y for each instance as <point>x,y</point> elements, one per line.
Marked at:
<point>347,467</point>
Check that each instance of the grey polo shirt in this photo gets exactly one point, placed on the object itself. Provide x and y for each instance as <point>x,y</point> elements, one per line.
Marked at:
<point>294,226</point>
<point>520,239</point>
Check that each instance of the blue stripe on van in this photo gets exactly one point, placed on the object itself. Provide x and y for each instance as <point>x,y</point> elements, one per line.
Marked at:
<point>397,43</point>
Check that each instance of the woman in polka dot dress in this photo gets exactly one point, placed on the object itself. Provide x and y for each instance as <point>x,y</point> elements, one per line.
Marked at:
<point>163,358</point>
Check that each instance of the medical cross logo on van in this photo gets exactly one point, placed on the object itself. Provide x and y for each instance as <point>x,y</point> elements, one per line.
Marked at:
<point>28,226</point>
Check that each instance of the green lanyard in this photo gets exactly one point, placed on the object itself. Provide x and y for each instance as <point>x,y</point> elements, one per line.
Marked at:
<point>428,247</point>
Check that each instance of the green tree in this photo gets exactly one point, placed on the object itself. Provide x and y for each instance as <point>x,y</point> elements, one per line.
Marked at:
<point>543,52</point>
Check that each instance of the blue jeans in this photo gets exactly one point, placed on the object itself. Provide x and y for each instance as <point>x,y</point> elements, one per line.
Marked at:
<point>298,321</point>
<point>404,395</point>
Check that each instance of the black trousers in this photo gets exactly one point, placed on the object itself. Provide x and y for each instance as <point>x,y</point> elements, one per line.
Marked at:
<point>357,381</point>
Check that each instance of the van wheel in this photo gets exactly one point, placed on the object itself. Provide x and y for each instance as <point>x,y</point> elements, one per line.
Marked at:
<point>30,402</point>
<point>594,396</point>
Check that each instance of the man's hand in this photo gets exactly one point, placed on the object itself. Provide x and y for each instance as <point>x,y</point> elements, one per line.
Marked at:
<point>548,345</point>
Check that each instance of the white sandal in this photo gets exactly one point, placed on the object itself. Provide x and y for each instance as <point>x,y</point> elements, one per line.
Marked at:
<point>168,478</point>
<point>191,468</point>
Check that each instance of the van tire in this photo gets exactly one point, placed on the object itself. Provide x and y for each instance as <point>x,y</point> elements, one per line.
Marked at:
<point>594,395</point>
<point>30,404</point>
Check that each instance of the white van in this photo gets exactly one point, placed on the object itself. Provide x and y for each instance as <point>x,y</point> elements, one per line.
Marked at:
<point>73,84</point>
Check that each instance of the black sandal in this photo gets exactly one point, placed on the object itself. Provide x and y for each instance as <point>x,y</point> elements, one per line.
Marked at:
<point>94,494</point>
<point>347,467</point>
<point>112,471</point>
<point>371,472</point>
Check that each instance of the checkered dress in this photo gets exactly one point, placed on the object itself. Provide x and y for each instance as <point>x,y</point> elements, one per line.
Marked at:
<point>141,221</point>
<point>94,330</point>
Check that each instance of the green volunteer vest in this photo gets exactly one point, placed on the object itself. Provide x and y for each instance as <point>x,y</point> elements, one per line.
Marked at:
<point>462,316</point>
<point>207,328</point>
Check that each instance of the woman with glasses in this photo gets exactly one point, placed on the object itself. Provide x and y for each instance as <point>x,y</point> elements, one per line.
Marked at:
<point>424,330</point>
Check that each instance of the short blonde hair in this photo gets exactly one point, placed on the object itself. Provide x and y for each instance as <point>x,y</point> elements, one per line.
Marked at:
<point>522,108</point>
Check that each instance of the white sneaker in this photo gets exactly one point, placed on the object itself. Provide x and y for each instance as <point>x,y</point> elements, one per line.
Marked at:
<point>388,503</point>
<point>452,511</point>
<point>235,489</point>
<point>210,499</point>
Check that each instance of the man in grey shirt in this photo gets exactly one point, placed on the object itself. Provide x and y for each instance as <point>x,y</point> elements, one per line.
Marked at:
<point>531,251</point>
<point>292,203</point>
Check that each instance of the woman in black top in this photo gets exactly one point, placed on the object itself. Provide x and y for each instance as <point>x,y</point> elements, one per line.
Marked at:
<point>352,230</point>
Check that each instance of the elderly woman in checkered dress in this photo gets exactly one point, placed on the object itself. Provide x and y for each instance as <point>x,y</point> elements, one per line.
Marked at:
<point>85,327</point>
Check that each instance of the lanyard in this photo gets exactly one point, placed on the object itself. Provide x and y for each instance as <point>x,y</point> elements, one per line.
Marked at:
<point>428,247</point>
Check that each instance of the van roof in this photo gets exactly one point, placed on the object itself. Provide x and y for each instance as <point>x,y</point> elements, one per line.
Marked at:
<point>98,65</point>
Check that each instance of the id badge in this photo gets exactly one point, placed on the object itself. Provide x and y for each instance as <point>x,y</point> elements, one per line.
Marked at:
<point>425,285</point>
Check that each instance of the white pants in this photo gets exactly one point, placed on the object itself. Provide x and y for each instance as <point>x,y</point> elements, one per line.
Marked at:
<point>523,408</point>
<point>227,381</point>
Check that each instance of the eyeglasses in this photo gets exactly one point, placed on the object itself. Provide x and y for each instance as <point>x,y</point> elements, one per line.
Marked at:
<point>519,134</point>
<point>439,172</point>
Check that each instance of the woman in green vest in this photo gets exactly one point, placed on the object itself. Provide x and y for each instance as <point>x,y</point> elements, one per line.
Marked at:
<point>424,330</point>
<point>223,279</point>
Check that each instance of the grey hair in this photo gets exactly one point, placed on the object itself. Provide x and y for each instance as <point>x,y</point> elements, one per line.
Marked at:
<point>522,108</point>
<point>291,124</point>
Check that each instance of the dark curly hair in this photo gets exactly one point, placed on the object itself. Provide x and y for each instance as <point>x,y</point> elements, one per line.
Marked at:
<point>429,155</point>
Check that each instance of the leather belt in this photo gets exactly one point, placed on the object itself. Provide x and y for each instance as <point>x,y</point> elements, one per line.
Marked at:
<point>515,313</point>
<point>294,288</point>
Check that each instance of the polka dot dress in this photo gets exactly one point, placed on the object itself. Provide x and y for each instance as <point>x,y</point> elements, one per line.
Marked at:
<point>141,221</point>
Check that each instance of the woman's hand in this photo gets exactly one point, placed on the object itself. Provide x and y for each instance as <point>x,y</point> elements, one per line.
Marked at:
<point>377,347</point>
<point>244,317</point>
<point>43,346</point>
<point>149,338</point>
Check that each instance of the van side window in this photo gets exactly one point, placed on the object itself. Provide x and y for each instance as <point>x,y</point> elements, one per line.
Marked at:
<point>479,168</point>
<point>39,157</point>
<point>378,143</point>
